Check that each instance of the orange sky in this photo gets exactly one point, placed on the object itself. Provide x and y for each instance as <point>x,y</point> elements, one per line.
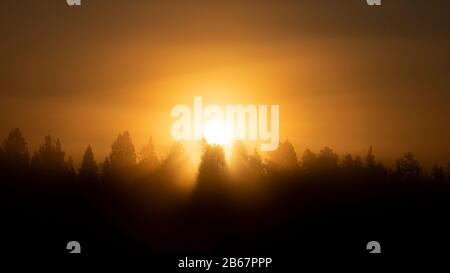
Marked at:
<point>344,74</point>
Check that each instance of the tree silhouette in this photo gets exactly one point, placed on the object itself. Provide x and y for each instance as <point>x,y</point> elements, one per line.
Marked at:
<point>357,162</point>
<point>408,168</point>
<point>284,157</point>
<point>177,156</point>
<point>309,160</point>
<point>123,156</point>
<point>256,163</point>
<point>213,163</point>
<point>239,158</point>
<point>438,174</point>
<point>176,168</point>
<point>370,159</point>
<point>223,211</point>
<point>14,150</point>
<point>106,169</point>
<point>89,169</point>
<point>211,174</point>
<point>50,156</point>
<point>347,162</point>
<point>148,160</point>
<point>327,159</point>
<point>69,166</point>
<point>244,167</point>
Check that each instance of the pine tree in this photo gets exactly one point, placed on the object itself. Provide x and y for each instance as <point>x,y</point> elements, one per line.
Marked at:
<point>408,168</point>
<point>370,159</point>
<point>123,156</point>
<point>89,168</point>
<point>148,160</point>
<point>15,150</point>
<point>50,156</point>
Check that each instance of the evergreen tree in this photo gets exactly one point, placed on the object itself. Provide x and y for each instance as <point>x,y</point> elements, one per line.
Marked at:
<point>211,173</point>
<point>239,158</point>
<point>347,161</point>
<point>14,150</point>
<point>123,156</point>
<point>284,157</point>
<point>438,174</point>
<point>256,163</point>
<point>408,168</point>
<point>327,159</point>
<point>370,159</point>
<point>106,169</point>
<point>149,162</point>
<point>357,162</point>
<point>89,168</point>
<point>309,160</point>
<point>49,156</point>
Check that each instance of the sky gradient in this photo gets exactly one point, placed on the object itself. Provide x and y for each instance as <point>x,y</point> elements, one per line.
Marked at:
<point>345,75</point>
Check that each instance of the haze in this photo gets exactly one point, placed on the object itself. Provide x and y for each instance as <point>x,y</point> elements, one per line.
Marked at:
<point>345,75</point>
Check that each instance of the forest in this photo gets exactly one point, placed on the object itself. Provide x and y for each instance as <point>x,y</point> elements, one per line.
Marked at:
<point>275,202</point>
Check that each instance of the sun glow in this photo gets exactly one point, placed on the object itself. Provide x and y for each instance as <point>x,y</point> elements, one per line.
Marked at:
<point>248,122</point>
<point>215,132</point>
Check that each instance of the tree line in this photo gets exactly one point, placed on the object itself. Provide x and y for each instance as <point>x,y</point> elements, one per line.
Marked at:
<point>123,159</point>
<point>134,201</point>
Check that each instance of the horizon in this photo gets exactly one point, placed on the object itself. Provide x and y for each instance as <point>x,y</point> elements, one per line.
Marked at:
<point>346,75</point>
<point>194,150</point>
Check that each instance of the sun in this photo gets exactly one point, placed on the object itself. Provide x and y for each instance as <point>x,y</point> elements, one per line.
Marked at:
<point>215,132</point>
